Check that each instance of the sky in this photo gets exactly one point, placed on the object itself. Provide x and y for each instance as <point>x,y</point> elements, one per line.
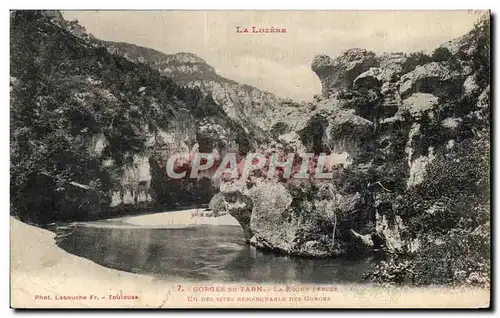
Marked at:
<point>276,62</point>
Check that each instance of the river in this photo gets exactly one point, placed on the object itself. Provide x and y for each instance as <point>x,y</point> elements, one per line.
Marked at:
<point>198,253</point>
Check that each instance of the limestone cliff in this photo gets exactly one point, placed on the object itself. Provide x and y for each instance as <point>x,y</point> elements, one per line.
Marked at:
<point>382,120</point>
<point>102,128</point>
<point>256,110</point>
<point>94,122</point>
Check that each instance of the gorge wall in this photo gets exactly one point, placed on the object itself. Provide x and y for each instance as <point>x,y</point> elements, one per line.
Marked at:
<point>257,111</point>
<point>96,127</point>
<point>382,120</point>
<point>406,137</point>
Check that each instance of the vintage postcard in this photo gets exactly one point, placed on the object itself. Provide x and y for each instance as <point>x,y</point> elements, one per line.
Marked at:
<point>250,159</point>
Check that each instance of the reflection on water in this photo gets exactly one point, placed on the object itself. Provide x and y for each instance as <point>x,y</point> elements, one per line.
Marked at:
<point>216,253</point>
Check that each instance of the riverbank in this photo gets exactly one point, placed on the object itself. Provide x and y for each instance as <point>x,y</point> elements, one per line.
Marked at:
<point>165,220</point>
<point>45,276</point>
<point>180,218</point>
<point>41,272</point>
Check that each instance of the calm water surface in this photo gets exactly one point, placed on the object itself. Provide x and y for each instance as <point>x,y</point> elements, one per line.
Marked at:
<point>215,253</point>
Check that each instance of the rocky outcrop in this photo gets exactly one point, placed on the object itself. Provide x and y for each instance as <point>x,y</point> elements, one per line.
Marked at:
<point>380,117</point>
<point>368,79</point>
<point>389,71</point>
<point>381,121</point>
<point>390,232</point>
<point>483,101</point>
<point>345,123</point>
<point>338,74</point>
<point>418,167</point>
<point>119,122</point>
<point>244,104</point>
<point>377,119</point>
<point>184,66</point>
<point>218,205</point>
<point>418,104</point>
<point>254,109</point>
<point>436,78</point>
<point>391,66</point>
<point>239,205</point>
<point>336,131</point>
<point>295,218</point>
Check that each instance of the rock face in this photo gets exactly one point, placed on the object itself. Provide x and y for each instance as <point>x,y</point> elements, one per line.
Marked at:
<point>135,184</point>
<point>281,218</point>
<point>391,66</point>
<point>339,73</point>
<point>436,78</point>
<point>336,131</point>
<point>121,121</point>
<point>368,79</point>
<point>418,104</point>
<point>255,110</point>
<point>382,120</point>
<point>143,182</point>
<point>218,205</point>
<point>184,66</point>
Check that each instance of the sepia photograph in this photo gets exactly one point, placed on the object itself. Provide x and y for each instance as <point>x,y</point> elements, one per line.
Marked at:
<point>250,159</point>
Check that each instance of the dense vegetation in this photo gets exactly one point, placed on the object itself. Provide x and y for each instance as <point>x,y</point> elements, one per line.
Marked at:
<point>67,92</point>
<point>447,217</point>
